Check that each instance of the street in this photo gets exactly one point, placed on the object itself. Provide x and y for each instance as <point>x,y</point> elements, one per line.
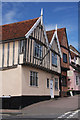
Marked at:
<point>61,108</point>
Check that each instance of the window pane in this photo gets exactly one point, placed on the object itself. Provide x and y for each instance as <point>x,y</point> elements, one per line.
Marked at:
<point>64,57</point>
<point>77,80</point>
<point>38,50</point>
<point>54,59</point>
<point>56,83</point>
<point>47,83</point>
<point>33,78</point>
<point>64,81</point>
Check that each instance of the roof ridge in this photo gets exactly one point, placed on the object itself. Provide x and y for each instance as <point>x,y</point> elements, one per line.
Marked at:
<point>57,29</point>
<point>19,22</point>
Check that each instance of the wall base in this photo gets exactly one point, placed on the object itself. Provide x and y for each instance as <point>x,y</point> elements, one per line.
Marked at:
<point>20,102</point>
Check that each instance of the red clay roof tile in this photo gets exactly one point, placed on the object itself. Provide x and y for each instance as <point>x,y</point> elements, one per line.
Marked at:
<point>16,30</point>
<point>60,33</point>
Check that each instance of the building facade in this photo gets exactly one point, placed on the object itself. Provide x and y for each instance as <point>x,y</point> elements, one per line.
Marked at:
<point>74,72</point>
<point>29,64</point>
<point>62,37</point>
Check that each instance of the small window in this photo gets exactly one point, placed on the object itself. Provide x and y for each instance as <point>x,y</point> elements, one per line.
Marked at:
<point>64,81</point>
<point>64,58</point>
<point>77,80</point>
<point>54,59</point>
<point>47,83</point>
<point>56,83</point>
<point>21,46</point>
<point>38,50</point>
<point>33,78</point>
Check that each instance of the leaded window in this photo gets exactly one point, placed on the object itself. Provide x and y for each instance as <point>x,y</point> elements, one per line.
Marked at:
<point>33,78</point>
<point>56,83</point>
<point>38,50</point>
<point>54,59</point>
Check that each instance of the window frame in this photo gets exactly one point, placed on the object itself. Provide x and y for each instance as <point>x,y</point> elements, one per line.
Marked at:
<point>39,50</point>
<point>77,80</point>
<point>56,81</point>
<point>54,58</point>
<point>64,54</point>
<point>47,82</point>
<point>34,77</point>
<point>64,83</point>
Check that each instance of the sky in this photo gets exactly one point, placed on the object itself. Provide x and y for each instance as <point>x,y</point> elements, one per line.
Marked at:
<point>64,14</point>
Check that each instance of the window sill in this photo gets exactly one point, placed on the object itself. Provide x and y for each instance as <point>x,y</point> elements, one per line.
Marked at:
<point>56,90</point>
<point>47,88</point>
<point>33,86</point>
<point>37,58</point>
<point>54,65</point>
<point>21,53</point>
<point>64,62</point>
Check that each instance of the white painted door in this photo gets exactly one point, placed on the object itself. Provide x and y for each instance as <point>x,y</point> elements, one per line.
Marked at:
<point>51,89</point>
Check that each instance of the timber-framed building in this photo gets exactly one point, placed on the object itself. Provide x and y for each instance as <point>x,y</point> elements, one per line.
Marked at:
<point>29,63</point>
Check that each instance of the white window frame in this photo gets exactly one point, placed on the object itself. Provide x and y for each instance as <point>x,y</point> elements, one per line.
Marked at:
<point>33,78</point>
<point>56,81</point>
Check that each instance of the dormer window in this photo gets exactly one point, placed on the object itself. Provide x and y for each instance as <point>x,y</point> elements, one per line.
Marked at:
<point>21,46</point>
<point>37,50</point>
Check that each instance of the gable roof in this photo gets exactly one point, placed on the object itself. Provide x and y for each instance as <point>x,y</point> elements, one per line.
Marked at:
<point>72,55</point>
<point>60,33</point>
<point>74,49</point>
<point>16,30</point>
<point>74,52</point>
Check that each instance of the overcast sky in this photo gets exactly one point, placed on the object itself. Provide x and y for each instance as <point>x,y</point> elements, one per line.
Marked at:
<point>64,14</point>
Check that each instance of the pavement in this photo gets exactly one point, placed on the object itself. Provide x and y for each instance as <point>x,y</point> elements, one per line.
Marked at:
<point>46,109</point>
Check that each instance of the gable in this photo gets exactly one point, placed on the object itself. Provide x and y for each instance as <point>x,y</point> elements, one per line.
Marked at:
<point>38,32</point>
<point>64,41</point>
<point>53,35</point>
<point>55,46</point>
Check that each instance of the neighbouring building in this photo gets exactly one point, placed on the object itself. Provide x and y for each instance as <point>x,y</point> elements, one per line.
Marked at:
<point>29,64</point>
<point>62,37</point>
<point>74,72</point>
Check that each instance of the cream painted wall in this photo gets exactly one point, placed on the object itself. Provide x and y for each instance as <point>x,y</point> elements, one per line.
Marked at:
<point>42,82</point>
<point>16,82</point>
<point>11,82</point>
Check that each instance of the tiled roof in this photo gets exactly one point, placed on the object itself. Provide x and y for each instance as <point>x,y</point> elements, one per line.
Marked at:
<point>72,55</point>
<point>60,33</point>
<point>74,49</point>
<point>16,30</point>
